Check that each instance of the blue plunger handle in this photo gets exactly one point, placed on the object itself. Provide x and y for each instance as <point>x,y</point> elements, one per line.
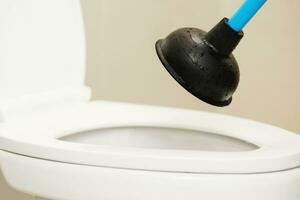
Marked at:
<point>245,13</point>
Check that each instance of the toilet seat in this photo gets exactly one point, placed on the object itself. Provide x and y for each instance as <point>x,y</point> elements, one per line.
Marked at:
<point>36,134</point>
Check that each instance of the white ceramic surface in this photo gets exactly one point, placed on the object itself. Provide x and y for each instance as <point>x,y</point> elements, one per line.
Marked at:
<point>57,180</point>
<point>38,133</point>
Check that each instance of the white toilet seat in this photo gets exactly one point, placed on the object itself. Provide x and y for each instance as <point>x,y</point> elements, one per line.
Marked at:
<point>36,135</point>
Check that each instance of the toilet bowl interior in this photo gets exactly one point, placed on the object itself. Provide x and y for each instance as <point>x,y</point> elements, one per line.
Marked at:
<point>160,138</point>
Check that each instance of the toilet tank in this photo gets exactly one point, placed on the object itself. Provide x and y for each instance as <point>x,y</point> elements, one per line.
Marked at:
<point>42,48</point>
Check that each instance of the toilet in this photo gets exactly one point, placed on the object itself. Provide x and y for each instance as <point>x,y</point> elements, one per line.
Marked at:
<point>55,143</point>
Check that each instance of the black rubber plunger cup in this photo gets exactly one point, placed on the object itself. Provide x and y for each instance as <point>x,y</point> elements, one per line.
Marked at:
<point>203,62</point>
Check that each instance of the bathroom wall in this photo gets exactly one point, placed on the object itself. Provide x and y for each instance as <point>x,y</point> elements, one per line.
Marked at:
<point>122,64</point>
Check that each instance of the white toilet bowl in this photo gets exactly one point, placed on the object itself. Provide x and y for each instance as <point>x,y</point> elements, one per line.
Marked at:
<point>104,150</point>
<point>55,143</point>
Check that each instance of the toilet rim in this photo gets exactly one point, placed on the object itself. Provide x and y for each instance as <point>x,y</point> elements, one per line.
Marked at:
<point>37,136</point>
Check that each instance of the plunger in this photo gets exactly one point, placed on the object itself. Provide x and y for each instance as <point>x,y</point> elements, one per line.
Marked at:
<point>202,62</point>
